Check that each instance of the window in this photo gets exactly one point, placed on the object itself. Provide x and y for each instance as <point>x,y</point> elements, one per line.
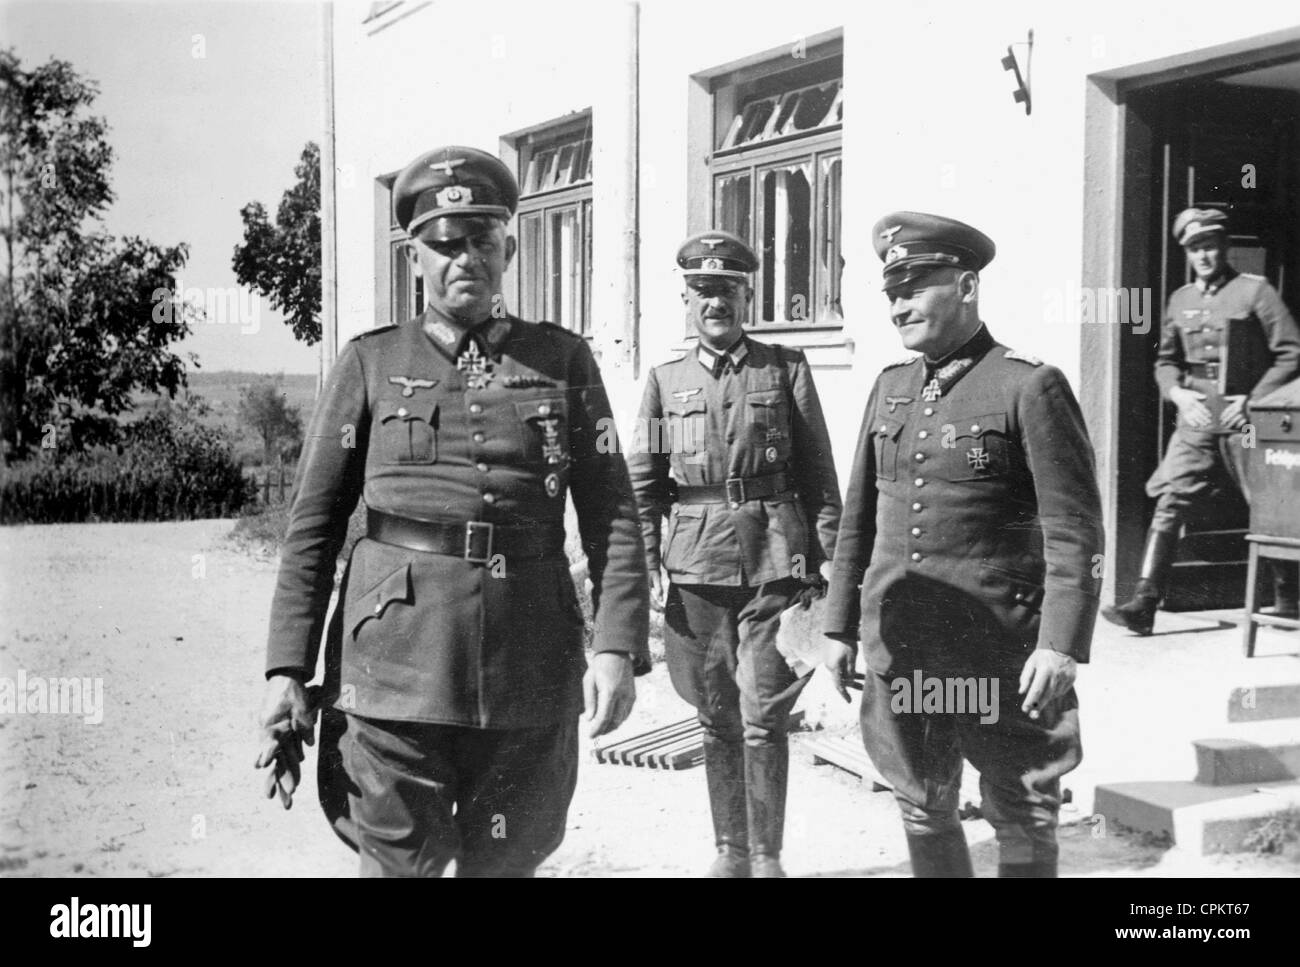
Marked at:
<point>405,284</point>
<point>554,269</point>
<point>776,173</point>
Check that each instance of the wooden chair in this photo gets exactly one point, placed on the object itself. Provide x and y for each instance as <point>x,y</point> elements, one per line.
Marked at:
<point>1276,549</point>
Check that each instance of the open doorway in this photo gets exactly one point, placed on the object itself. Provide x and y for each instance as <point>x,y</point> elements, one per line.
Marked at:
<point>1222,132</point>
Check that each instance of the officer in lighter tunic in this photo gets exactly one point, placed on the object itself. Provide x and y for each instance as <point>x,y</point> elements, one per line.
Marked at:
<point>454,662</point>
<point>734,451</point>
<point>969,550</point>
<point>1206,454</point>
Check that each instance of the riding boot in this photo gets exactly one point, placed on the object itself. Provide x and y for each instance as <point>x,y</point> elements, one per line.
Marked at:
<point>1041,869</point>
<point>1138,614</point>
<point>942,854</point>
<point>767,770</point>
<point>724,770</point>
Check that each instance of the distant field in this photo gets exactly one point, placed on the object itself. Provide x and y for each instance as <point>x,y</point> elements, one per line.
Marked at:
<point>221,392</point>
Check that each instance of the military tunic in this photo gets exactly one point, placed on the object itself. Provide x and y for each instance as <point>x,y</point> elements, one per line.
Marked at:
<point>751,417</point>
<point>1200,462</point>
<point>971,536</point>
<point>437,638</point>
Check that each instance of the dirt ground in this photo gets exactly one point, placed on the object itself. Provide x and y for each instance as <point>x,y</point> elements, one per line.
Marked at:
<point>172,618</point>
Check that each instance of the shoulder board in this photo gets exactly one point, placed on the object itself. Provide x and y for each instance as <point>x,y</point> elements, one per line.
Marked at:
<point>902,362</point>
<point>558,328</point>
<point>372,332</point>
<point>1252,276</point>
<point>1023,357</point>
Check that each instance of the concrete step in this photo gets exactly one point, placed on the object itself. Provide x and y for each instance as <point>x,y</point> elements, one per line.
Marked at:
<point>1262,702</point>
<point>1250,752</point>
<point>1202,819</point>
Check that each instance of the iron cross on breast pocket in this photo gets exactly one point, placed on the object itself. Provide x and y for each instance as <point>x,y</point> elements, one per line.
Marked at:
<point>978,458</point>
<point>551,448</point>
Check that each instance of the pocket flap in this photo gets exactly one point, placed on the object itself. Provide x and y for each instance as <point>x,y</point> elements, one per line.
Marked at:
<point>888,427</point>
<point>686,409</point>
<point>425,410</point>
<point>373,603</point>
<point>542,409</point>
<point>977,426</point>
<point>689,510</point>
<point>766,397</point>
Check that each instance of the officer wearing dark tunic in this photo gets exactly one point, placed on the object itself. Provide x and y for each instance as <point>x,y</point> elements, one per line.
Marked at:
<point>734,450</point>
<point>968,554</point>
<point>454,659</point>
<point>1206,454</point>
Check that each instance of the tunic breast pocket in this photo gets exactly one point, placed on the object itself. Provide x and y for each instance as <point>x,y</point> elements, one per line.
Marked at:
<point>545,425</point>
<point>769,420</point>
<point>408,431</point>
<point>979,448</point>
<point>686,429</point>
<point>885,439</point>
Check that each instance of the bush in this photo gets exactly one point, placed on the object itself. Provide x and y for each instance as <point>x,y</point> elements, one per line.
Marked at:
<point>168,467</point>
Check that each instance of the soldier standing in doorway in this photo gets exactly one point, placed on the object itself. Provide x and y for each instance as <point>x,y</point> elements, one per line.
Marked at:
<point>1205,453</point>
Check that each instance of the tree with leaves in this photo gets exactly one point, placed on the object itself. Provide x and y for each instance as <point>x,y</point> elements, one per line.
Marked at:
<point>78,328</point>
<point>282,261</point>
<point>264,408</point>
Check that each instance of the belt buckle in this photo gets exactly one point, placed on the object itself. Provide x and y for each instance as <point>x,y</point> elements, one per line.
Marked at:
<point>473,542</point>
<point>1211,370</point>
<point>735,487</point>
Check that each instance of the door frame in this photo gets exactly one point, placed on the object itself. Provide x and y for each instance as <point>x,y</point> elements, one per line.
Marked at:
<point>1118,245</point>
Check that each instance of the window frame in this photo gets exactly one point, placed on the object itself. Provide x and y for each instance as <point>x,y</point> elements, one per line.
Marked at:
<point>533,273</point>
<point>765,76</point>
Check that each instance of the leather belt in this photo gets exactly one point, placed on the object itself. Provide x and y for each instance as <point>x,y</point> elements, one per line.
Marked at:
<point>736,490</point>
<point>476,541</point>
<point>1204,370</point>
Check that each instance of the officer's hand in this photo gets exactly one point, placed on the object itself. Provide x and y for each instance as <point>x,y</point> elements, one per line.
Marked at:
<point>1190,406</point>
<point>1234,414</point>
<point>839,665</point>
<point>1047,676</point>
<point>609,692</point>
<point>658,591</point>
<point>287,720</point>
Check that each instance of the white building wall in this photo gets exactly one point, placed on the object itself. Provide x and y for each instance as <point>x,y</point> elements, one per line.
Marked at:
<point>929,125</point>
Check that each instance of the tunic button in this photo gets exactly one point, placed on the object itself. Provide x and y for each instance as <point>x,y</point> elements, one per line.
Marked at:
<point>482,467</point>
<point>489,498</point>
<point>916,506</point>
<point>544,410</point>
<point>974,427</point>
<point>916,532</point>
<point>916,555</point>
<point>920,482</point>
<point>734,506</point>
<point>883,428</point>
<point>920,458</point>
<point>379,608</point>
<point>402,411</point>
<point>479,438</point>
<point>923,434</point>
<point>929,411</point>
<point>475,408</point>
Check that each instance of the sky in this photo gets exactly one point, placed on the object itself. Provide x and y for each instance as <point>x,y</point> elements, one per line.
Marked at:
<point>209,106</point>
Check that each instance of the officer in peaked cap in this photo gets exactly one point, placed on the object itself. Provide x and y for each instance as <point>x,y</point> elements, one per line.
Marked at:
<point>1206,453</point>
<point>747,481</point>
<point>454,668</point>
<point>965,556</point>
